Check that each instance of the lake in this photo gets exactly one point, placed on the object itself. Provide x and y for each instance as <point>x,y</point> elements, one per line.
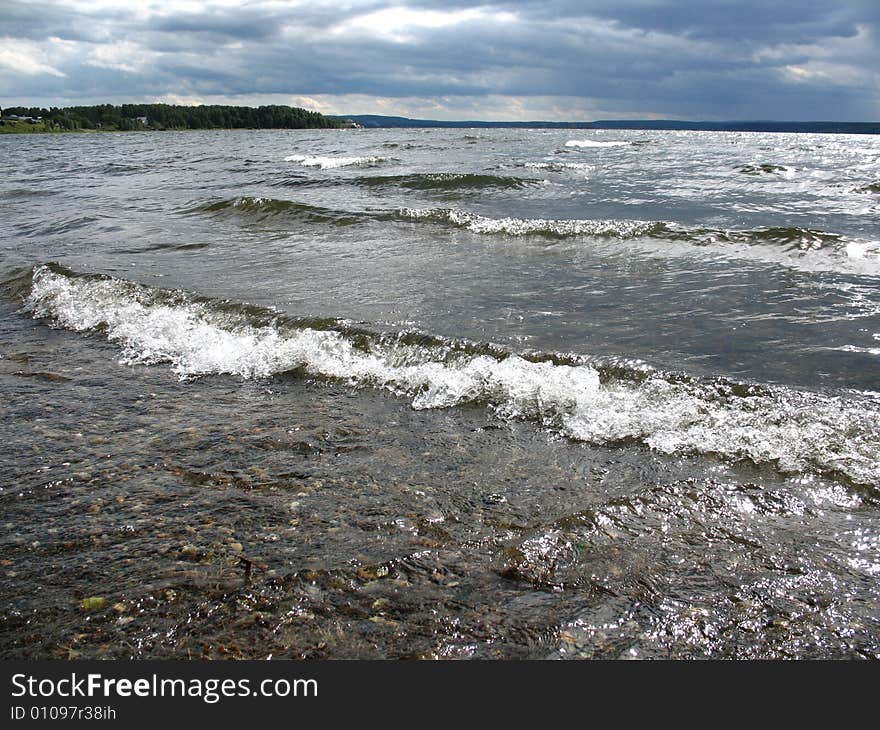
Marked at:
<point>440,393</point>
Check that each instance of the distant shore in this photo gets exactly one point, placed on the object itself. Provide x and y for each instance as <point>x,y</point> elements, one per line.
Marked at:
<point>373,121</point>
<point>43,129</point>
<point>160,117</point>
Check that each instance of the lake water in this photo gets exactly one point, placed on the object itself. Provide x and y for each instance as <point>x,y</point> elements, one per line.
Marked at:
<point>440,393</point>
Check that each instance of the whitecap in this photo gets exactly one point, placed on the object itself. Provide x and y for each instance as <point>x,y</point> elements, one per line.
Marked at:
<point>529,226</point>
<point>863,249</point>
<point>556,166</point>
<point>330,163</point>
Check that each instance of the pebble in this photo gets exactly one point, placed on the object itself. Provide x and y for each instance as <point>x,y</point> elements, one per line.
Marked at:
<point>93,603</point>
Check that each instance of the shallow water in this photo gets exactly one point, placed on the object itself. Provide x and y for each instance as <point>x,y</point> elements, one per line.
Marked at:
<point>440,393</point>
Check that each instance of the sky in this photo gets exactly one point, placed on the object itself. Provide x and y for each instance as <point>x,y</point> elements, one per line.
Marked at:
<point>522,60</point>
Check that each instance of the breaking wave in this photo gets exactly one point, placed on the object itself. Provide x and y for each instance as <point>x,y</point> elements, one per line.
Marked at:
<point>262,209</point>
<point>792,239</point>
<point>786,239</point>
<point>330,163</point>
<point>533,226</point>
<point>592,400</point>
<point>559,166</point>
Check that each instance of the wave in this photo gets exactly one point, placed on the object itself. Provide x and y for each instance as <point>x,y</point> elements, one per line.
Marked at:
<point>597,143</point>
<point>163,247</point>
<point>447,181</point>
<point>857,349</point>
<point>870,188</point>
<point>533,226</point>
<point>27,193</point>
<point>591,400</point>
<point>559,166</point>
<point>331,163</point>
<point>785,239</point>
<point>788,238</point>
<point>117,168</point>
<point>39,227</point>
<point>763,169</point>
<point>258,210</point>
<point>439,181</point>
<point>782,238</point>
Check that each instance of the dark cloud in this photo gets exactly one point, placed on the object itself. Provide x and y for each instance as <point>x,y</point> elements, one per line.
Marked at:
<point>256,26</point>
<point>694,59</point>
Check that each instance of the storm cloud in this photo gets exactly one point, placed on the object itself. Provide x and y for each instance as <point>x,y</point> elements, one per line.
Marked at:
<point>518,60</point>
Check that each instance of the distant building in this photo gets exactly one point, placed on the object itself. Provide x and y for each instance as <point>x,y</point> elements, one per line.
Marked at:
<point>19,118</point>
<point>143,120</point>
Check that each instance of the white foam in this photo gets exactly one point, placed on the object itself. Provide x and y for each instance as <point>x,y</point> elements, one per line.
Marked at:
<point>330,163</point>
<point>863,249</point>
<point>856,348</point>
<point>595,143</point>
<point>798,431</point>
<point>581,166</point>
<point>527,226</point>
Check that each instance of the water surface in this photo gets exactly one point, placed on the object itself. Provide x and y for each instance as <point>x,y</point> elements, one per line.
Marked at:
<point>440,393</point>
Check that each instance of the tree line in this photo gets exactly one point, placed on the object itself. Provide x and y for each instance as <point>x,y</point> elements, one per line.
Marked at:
<point>170,116</point>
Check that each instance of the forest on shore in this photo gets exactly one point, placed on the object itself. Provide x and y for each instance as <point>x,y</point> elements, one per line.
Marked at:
<point>130,117</point>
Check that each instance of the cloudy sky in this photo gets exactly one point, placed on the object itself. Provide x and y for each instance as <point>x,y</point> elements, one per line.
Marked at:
<point>456,59</point>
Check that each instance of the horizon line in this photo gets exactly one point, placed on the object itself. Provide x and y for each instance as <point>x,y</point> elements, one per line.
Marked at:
<point>607,119</point>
